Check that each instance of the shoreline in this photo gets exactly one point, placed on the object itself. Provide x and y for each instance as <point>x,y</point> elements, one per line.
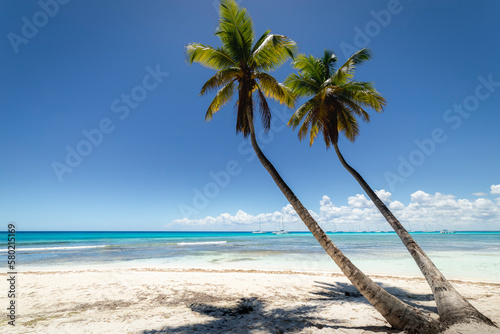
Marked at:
<point>60,270</point>
<point>184,300</point>
<point>469,256</point>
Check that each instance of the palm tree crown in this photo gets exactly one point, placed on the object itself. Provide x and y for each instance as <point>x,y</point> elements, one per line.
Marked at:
<point>336,98</point>
<point>241,63</point>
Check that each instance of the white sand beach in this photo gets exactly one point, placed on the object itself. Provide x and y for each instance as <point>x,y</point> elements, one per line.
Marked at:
<point>149,300</point>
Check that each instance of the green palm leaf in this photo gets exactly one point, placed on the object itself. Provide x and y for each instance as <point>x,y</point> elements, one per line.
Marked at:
<point>265,112</point>
<point>301,85</point>
<point>310,67</point>
<point>235,30</point>
<point>221,98</point>
<point>220,78</point>
<point>241,66</point>
<point>272,51</point>
<point>365,94</point>
<point>303,110</point>
<point>273,89</point>
<point>213,58</point>
<point>346,71</point>
<point>329,59</point>
<point>336,100</point>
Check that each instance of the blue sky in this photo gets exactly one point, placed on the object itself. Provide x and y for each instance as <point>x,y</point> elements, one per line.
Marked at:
<point>115,72</point>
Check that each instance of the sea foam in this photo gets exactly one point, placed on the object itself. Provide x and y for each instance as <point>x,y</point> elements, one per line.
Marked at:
<point>201,243</point>
<point>55,248</point>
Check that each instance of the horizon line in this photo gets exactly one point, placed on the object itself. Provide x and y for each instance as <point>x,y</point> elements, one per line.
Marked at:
<point>248,231</point>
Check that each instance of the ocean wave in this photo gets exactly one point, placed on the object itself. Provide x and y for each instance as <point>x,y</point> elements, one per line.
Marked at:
<point>55,248</point>
<point>201,243</point>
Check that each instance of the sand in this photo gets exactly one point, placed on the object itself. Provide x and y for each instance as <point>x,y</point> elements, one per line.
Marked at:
<point>148,300</point>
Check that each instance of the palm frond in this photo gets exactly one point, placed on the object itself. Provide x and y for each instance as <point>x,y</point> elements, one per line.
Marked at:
<point>265,112</point>
<point>235,30</point>
<point>308,66</point>
<point>310,115</point>
<point>348,125</point>
<point>353,108</point>
<point>315,128</point>
<point>360,56</point>
<point>306,124</point>
<point>272,51</point>
<point>305,109</point>
<point>208,56</point>
<point>323,117</point>
<point>220,78</point>
<point>221,98</point>
<point>302,85</point>
<point>273,89</point>
<point>261,40</point>
<point>329,59</point>
<point>346,71</point>
<point>365,94</point>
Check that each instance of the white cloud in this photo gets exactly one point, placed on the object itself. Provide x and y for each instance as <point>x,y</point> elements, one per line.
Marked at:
<point>242,218</point>
<point>424,212</point>
<point>495,189</point>
<point>359,201</point>
<point>480,194</point>
<point>396,205</point>
<point>421,198</point>
<point>384,195</point>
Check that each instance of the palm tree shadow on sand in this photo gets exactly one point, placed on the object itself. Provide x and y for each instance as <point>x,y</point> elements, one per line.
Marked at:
<point>345,291</point>
<point>250,315</point>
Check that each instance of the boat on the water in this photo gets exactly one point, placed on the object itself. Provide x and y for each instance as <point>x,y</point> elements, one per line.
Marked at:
<point>259,231</point>
<point>447,232</point>
<point>282,229</point>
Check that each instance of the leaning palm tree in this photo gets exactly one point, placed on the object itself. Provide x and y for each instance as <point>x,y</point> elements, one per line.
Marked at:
<point>241,63</point>
<point>337,100</point>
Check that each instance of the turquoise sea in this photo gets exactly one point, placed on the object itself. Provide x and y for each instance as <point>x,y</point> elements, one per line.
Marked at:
<point>462,255</point>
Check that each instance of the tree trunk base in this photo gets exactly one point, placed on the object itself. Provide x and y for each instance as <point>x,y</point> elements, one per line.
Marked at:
<point>469,315</point>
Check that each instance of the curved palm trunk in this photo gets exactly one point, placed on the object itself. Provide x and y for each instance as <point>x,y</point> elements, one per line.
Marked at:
<point>452,307</point>
<point>397,313</point>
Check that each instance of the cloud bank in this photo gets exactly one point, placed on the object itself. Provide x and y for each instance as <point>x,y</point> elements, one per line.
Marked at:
<point>425,212</point>
<point>495,189</point>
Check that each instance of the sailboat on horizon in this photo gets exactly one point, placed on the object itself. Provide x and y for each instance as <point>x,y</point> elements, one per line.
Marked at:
<point>259,231</point>
<point>282,229</point>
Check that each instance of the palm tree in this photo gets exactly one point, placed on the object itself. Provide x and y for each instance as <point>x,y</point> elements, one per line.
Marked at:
<point>240,66</point>
<point>337,100</point>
